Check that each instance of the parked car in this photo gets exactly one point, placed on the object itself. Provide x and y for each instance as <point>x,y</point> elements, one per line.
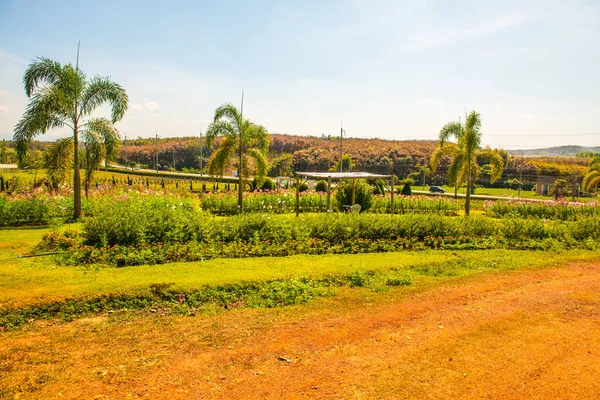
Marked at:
<point>436,189</point>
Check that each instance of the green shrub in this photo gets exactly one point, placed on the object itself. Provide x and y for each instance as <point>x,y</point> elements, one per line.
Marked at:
<point>379,187</point>
<point>362,193</point>
<point>268,185</point>
<point>321,186</point>
<point>399,281</point>
<point>406,190</point>
<point>303,188</point>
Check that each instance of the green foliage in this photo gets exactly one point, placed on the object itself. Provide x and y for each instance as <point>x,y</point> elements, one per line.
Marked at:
<point>242,138</point>
<point>160,230</point>
<point>379,187</point>
<point>132,221</point>
<point>33,209</point>
<point>268,185</point>
<point>321,186</point>
<point>303,188</point>
<point>561,210</point>
<point>406,190</point>
<point>399,281</point>
<point>61,97</point>
<point>464,167</point>
<point>362,193</point>
<point>58,161</point>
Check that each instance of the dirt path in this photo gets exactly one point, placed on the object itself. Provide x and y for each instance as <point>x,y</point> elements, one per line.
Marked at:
<point>533,334</point>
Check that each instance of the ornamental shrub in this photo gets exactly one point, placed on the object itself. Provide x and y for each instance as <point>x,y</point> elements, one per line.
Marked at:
<point>362,194</point>
<point>321,186</point>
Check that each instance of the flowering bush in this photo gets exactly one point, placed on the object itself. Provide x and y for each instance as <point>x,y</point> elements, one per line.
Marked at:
<point>550,209</point>
<point>157,230</point>
<point>35,207</point>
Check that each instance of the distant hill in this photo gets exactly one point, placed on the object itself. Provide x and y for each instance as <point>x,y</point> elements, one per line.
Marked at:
<point>555,151</point>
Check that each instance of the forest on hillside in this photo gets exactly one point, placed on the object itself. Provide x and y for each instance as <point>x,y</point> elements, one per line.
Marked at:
<point>289,154</point>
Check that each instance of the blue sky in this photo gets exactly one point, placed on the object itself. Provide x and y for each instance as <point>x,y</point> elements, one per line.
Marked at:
<point>387,69</point>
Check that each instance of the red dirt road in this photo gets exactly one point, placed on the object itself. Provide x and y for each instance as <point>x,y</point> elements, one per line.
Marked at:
<point>531,334</point>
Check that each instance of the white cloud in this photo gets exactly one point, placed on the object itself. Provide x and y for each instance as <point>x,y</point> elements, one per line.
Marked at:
<point>434,38</point>
<point>3,109</point>
<point>151,105</point>
<point>499,105</point>
<point>136,107</point>
<point>157,115</point>
<point>11,57</point>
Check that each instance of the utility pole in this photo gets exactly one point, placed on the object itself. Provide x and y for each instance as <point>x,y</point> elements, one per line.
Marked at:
<point>241,159</point>
<point>200,151</point>
<point>521,174</point>
<point>125,149</point>
<point>156,163</point>
<point>342,131</point>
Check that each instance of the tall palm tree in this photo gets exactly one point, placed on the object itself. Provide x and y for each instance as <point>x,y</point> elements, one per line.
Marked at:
<point>591,180</point>
<point>241,138</point>
<point>464,166</point>
<point>61,96</point>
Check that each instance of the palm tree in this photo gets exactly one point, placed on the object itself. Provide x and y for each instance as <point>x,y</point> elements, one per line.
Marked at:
<point>241,138</point>
<point>464,166</point>
<point>591,179</point>
<point>63,97</point>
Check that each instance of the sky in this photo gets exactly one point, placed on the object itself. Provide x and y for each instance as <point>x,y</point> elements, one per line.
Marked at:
<point>385,69</point>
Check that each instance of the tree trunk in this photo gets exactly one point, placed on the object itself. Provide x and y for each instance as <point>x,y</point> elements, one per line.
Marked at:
<point>241,180</point>
<point>76,176</point>
<point>468,201</point>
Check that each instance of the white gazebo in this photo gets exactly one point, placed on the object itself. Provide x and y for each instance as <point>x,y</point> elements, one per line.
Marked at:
<point>330,176</point>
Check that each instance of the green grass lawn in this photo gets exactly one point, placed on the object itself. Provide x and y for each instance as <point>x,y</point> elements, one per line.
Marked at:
<point>505,192</point>
<point>27,281</point>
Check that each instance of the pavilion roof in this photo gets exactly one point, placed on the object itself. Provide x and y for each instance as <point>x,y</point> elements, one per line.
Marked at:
<point>342,175</point>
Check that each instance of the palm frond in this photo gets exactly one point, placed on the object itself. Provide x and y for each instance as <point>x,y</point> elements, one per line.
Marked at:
<point>103,90</point>
<point>593,183</point>
<point>261,162</point>
<point>220,158</point>
<point>595,164</point>
<point>257,134</point>
<point>450,130</point>
<point>471,138</point>
<point>43,70</point>
<point>219,128</point>
<point>439,153</point>
<point>101,140</point>
<point>590,180</point>
<point>47,109</point>
<point>58,161</point>
<point>455,172</point>
<point>229,112</point>
<point>495,161</point>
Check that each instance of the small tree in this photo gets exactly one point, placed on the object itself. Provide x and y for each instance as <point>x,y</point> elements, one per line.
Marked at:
<point>61,96</point>
<point>242,139</point>
<point>464,167</point>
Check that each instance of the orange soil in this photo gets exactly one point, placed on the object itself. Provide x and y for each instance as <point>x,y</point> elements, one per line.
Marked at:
<point>532,334</point>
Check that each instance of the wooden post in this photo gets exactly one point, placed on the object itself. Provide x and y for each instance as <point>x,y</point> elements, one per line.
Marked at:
<point>392,177</point>
<point>297,197</point>
<point>329,193</point>
<point>353,191</point>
